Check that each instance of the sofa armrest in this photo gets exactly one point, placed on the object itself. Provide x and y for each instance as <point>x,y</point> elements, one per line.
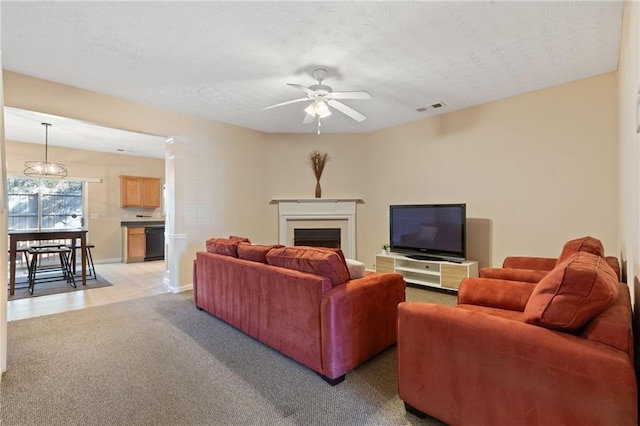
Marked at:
<point>524,262</point>
<point>494,293</point>
<point>461,366</point>
<point>359,320</point>
<point>513,274</point>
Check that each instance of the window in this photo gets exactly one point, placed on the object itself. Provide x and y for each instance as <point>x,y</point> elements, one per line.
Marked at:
<point>45,204</point>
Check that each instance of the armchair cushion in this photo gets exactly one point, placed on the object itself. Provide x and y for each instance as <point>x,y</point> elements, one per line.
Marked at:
<point>573,293</point>
<point>495,293</point>
<point>514,274</point>
<point>528,262</point>
<point>584,244</point>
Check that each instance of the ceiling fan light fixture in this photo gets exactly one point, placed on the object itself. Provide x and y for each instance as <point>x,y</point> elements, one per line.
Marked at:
<point>322,110</point>
<point>311,109</point>
<point>318,109</point>
<point>45,169</point>
<point>324,100</point>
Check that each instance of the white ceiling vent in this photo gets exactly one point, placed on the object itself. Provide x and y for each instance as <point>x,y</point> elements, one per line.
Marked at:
<point>434,106</point>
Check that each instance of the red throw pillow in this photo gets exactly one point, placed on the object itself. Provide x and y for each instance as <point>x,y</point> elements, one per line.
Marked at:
<point>586,244</point>
<point>572,294</point>
<point>223,246</point>
<point>255,252</point>
<point>315,260</point>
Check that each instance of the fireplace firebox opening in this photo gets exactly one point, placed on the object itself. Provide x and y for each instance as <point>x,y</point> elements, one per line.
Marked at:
<point>317,237</point>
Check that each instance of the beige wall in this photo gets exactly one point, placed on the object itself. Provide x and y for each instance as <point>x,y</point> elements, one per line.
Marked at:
<point>103,196</point>
<point>219,169</point>
<point>628,87</point>
<point>535,170</point>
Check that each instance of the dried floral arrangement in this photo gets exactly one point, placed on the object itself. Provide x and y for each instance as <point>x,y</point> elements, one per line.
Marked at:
<point>318,161</point>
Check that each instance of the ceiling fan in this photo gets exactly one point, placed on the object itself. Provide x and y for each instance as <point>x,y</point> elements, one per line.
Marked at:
<point>322,97</point>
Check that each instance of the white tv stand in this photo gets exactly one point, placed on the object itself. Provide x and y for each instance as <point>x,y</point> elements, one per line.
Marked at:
<point>429,273</point>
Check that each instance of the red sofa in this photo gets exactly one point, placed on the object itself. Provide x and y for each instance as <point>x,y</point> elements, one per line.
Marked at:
<point>300,301</point>
<point>559,352</point>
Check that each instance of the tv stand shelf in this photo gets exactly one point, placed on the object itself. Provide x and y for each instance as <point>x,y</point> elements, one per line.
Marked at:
<point>429,273</point>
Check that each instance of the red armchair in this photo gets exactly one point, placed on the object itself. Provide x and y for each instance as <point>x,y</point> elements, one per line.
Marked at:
<point>558,352</point>
<point>533,269</point>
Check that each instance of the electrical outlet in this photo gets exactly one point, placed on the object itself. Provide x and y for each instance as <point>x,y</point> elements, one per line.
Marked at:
<point>93,215</point>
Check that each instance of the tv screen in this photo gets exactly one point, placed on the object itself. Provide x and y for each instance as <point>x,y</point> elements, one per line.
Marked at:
<point>429,231</point>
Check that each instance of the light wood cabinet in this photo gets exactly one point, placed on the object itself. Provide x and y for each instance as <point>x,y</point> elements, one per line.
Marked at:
<point>135,245</point>
<point>138,191</point>
<point>439,274</point>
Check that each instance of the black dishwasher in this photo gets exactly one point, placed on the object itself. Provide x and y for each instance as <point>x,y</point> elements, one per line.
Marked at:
<point>154,238</point>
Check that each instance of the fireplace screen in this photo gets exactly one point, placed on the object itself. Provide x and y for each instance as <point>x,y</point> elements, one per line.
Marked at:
<point>317,237</point>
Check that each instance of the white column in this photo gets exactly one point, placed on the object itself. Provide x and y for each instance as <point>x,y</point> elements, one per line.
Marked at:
<point>175,230</point>
<point>4,213</point>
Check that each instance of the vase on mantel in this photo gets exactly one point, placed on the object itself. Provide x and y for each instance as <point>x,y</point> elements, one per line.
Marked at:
<point>318,189</point>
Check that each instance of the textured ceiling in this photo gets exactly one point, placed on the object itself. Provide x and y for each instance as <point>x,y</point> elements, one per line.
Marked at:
<point>26,126</point>
<point>225,61</point>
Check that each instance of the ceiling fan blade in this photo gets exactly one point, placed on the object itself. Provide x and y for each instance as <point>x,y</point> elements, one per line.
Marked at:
<point>350,95</point>
<point>308,118</point>
<point>306,89</point>
<point>286,103</point>
<point>347,110</point>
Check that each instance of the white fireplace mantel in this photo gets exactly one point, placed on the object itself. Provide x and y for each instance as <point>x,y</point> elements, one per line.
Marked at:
<point>292,211</point>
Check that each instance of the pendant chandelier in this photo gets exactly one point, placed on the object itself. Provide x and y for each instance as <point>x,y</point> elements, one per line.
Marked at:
<point>45,169</point>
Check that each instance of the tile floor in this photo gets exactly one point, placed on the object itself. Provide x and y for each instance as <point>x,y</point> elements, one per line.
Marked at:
<point>130,281</point>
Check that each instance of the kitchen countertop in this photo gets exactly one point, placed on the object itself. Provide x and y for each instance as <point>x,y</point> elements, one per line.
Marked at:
<point>140,223</point>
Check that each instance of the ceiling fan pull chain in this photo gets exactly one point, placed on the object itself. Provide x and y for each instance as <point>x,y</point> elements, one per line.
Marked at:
<point>318,125</point>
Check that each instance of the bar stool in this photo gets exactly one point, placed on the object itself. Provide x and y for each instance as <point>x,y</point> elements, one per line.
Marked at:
<point>24,252</point>
<point>65,264</point>
<point>91,269</point>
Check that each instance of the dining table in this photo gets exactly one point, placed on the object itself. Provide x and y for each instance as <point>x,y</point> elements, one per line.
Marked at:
<point>41,235</point>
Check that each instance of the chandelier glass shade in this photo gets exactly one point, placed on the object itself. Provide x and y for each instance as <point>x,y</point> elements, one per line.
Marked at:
<point>45,169</point>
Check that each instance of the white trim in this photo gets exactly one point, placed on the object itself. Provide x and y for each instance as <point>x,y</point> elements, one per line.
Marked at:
<point>315,200</point>
<point>181,289</point>
<point>78,178</point>
<point>319,209</point>
<point>177,236</point>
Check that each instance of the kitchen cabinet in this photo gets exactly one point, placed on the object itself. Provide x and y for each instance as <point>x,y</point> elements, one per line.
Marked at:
<point>134,244</point>
<point>139,191</point>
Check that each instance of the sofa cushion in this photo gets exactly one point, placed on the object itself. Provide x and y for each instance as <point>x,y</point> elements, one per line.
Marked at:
<point>255,252</point>
<point>585,244</point>
<point>315,260</point>
<point>338,251</point>
<point>223,246</point>
<point>572,294</point>
<point>356,268</point>
<point>243,239</point>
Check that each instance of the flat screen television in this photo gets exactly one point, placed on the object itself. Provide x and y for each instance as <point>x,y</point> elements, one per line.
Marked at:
<point>429,231</point>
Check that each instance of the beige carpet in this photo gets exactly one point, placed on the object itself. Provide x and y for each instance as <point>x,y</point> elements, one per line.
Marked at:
<point>160,361</point>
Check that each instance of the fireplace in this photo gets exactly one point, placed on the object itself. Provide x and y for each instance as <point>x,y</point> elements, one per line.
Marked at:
<point>319,214</point>
<point>317,237</point>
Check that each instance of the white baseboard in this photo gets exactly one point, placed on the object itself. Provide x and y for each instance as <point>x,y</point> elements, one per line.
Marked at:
<point>181,289</point>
